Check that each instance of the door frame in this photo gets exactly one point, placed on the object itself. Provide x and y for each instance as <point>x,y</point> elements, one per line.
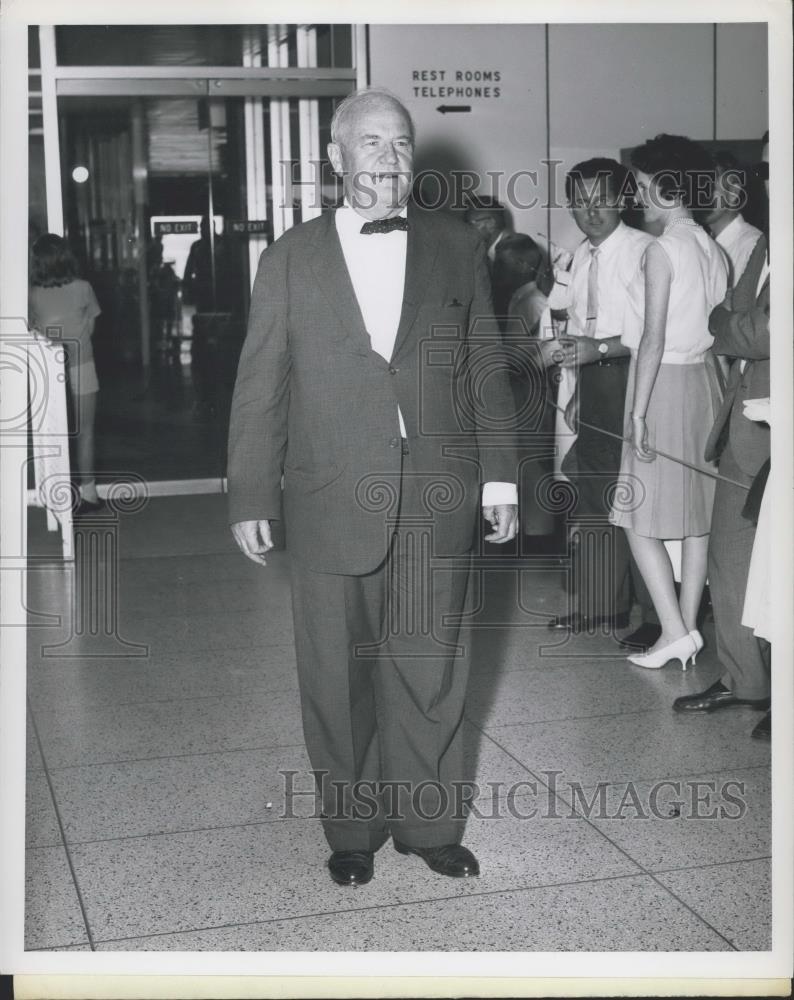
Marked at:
<point>278,82</point>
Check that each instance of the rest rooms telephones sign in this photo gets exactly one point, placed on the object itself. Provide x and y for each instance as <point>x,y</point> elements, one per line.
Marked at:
<point>453,76</point>
<point>458,85</point>
<point>477,95</point>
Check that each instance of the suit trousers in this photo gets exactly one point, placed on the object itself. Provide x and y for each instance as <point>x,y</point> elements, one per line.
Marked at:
<point>383,682</point>
<point>601,585</point>
<point>744,657</point>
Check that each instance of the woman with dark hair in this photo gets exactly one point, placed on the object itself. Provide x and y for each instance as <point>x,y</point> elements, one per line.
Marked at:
<point>521,260</point>
<point>63,307</point>
<point>673,395</point>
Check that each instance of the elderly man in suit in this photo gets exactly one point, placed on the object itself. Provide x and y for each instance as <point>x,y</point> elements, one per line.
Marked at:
<point>741,332</point>
<point>355,384</point>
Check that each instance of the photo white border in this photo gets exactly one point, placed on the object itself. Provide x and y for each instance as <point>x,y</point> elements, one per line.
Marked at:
<point>460,966</point>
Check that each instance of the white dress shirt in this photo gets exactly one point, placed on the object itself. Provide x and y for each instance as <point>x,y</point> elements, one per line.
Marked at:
<point>738,239</point>
<point>762,277</point>
<point>492,248</point>
<point>376,265</point>
<point>619,260</point>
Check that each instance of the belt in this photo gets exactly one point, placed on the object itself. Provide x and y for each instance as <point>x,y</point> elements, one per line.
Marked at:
<point>609,362</point>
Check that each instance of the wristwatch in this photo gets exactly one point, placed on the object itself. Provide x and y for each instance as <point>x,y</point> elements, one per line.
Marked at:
<point>603,350</point>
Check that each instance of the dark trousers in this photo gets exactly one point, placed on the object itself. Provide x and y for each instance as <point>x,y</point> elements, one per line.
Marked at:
<point>601,584</point>
<point>744,657</point>
<point>382,693</point>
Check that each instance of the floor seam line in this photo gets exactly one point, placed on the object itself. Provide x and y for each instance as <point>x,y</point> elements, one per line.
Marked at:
<point>175,833</point>
<point>59,820</point>
<point>382,906</point>
<point>713,864</point>
<point>624,852</point>
<point>164,701</point>
<point>176,756</point>
<point>572,718</point>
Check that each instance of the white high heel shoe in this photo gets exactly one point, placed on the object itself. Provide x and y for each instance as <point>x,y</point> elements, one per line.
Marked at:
<point>682,649</point>
<point>699,644</point>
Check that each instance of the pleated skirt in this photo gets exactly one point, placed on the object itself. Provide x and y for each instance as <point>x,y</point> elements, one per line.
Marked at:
<point>666,498</point>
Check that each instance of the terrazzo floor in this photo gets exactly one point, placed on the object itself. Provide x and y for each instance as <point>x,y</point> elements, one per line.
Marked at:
<point>157,816</point>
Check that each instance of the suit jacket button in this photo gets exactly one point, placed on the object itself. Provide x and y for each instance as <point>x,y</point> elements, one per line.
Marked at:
<point>394,442</point>
<point>393,370</point>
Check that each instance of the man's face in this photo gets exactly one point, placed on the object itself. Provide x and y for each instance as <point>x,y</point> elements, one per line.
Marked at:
<point>727,195</point>
<point>374,156</point>
<point>595,208</point>
<point>486,223</point>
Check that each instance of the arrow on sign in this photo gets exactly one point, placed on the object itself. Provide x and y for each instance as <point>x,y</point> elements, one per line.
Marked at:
<point>447,108</point>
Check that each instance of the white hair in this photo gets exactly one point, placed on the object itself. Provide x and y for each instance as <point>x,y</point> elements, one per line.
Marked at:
<point>361,100</point>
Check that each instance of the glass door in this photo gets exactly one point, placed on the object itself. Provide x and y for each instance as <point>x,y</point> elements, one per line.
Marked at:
<point>168,202</point>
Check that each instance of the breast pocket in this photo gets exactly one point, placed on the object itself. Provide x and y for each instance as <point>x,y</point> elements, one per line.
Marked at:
<point>444,319</point>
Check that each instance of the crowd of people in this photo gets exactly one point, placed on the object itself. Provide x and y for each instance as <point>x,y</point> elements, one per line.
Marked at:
<point>642,378</point>
<point>657,335</point>
<point>610,353</point>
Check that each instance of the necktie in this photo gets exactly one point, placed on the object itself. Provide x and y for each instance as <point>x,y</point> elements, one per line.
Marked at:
<point>592,294</point>
<point>591,320</point>
<point>385,226</point>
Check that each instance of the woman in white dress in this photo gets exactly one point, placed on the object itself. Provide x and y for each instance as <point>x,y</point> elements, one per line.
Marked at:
<point>673,392</point>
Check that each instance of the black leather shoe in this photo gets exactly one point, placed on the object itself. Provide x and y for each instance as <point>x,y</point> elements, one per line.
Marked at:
<point>88,507</point>
<point>641,638</point>
<point>763,731</point>
<point>451,859</point>
<point>715,697</point>
<point>576,623</point>
<point>352,867</point>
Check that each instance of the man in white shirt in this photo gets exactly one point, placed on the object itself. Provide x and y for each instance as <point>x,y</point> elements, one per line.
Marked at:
<point>603,266</point>
<point>725,221</point>
<point>354,384</point>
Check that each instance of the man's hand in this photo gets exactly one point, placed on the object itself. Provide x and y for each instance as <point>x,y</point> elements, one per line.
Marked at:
<point>504,521</point>
<point>254,539</point>
<point>577,351</point>
<point>551,352</point>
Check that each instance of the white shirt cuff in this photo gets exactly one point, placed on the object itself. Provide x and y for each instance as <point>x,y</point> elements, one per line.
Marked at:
<point>494,494</point>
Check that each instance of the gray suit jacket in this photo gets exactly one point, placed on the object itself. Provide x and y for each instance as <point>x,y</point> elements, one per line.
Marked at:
<point>315,403</point>
<point>742,332</point>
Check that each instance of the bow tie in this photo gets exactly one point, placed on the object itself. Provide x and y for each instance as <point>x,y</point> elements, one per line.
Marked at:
<point>385,226</point>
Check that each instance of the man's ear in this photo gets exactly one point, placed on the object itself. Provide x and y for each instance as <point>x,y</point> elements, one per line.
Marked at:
<point>335,156</point>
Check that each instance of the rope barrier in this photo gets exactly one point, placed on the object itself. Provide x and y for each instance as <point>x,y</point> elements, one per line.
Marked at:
<point>655,451</point>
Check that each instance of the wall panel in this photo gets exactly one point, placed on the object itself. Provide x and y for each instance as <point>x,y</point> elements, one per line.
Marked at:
<point>504,133</point>
<point>611,87</point>
<point>742,81</point>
